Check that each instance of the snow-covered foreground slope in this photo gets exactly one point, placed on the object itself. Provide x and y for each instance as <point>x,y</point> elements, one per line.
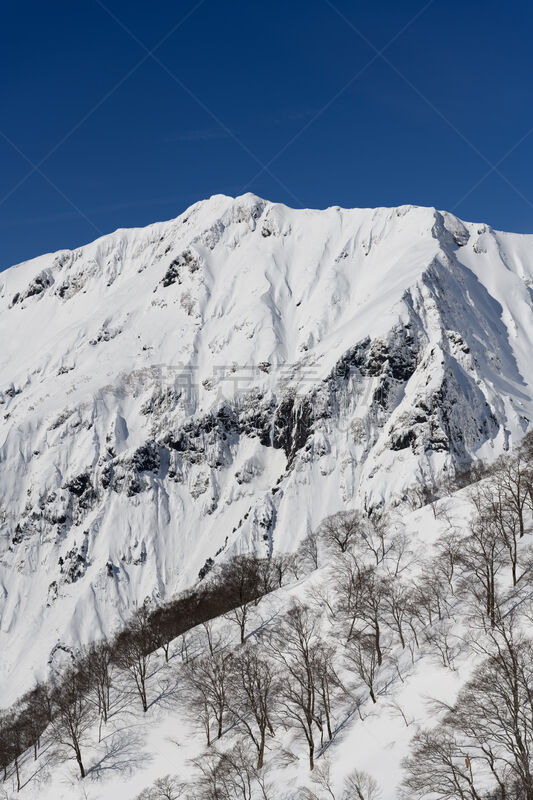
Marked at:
<point>137,748</point>
<point>375,711</point>
<point>222,381</point>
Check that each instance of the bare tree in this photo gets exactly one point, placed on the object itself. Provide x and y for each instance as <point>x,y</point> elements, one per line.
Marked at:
<point>362,656</point>
<point>41,698</point>
<point>487,734</point>
<point>240,773</point>
<point>197,705</point>
<point>382,541</point>
<point>184,647</point>
<point>482,560</point>
<point>6,749</point>
<point>280,564</point>
<point>166,788</point>
<point>424,494</point>
<point>512,477</point>
<point>295,644</point>
<point>35,715</point>
<point>321,596</point>
<point>374,593</point>
<point>96,663</point>
<point>341,530</point>
<point>253,690</point>
<point>210,784</point>
<point>430,595</point>
<point>13,742</point>
<point>493,501</point>
<point>132,651</point>
<point>448,559</point>
<point>360,785</point>
<point>207,681</point>
<point>73,715</point>
<point>494,711</point>
<point>162,629</point>
<point>212,636</point>
<point>397,607</point>
<point>309,549</point>
<point>230,776</point>
<point>242,581</point>
<point>322,778</point>
<point>362,598</point>
<point>442,639</point>
<point>328,684</point>
<point>439,767</point>
<point>348,591</point>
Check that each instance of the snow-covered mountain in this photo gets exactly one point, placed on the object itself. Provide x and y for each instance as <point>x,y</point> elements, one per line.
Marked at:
<point>223,381</point>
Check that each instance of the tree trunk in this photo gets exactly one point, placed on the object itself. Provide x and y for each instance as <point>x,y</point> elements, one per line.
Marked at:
<point>261,753</point>
<point>80,764</point>
<point>325,695</point>
<point>142,692</point>
<point>378,647</point>
<point>400,632</point>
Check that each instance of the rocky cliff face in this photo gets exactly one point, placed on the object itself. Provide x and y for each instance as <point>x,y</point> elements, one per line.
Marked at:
<point>223,381</point>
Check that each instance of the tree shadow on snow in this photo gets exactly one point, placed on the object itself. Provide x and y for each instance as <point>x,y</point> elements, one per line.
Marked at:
<point>167,690</point>
<point>121,752</point>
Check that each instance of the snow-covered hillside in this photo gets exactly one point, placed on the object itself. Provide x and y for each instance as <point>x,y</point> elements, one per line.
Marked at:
<point>138,748</point>
<point>223,381</point>
<point>373,641</point>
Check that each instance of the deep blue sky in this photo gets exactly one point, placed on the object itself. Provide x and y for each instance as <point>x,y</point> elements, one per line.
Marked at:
<point>453,96</point>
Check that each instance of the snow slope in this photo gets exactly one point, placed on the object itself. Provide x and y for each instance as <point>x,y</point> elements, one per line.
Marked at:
<point>136,748</point>
<point>222,381</point>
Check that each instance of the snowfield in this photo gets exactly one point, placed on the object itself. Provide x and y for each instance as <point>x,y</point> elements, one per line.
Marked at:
<point>138,748</point>
<point>221,382</point>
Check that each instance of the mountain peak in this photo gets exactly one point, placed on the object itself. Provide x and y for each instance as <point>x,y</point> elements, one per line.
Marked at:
<point>177,387</point>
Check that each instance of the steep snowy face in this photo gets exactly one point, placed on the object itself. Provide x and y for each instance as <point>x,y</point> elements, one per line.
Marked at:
<point>223,381</point>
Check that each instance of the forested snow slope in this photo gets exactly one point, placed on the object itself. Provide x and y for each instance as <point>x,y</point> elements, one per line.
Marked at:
<point>223,381</point>
<point>309,666</point>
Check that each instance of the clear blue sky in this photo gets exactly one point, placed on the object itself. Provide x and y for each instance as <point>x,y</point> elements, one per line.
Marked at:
<point>355,104</point>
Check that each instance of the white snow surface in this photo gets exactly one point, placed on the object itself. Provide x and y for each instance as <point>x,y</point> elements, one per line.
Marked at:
<point>222,381</point>
<point>136,748</point>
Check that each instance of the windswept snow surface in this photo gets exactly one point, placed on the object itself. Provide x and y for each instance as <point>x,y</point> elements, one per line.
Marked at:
<point>223,381</point>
